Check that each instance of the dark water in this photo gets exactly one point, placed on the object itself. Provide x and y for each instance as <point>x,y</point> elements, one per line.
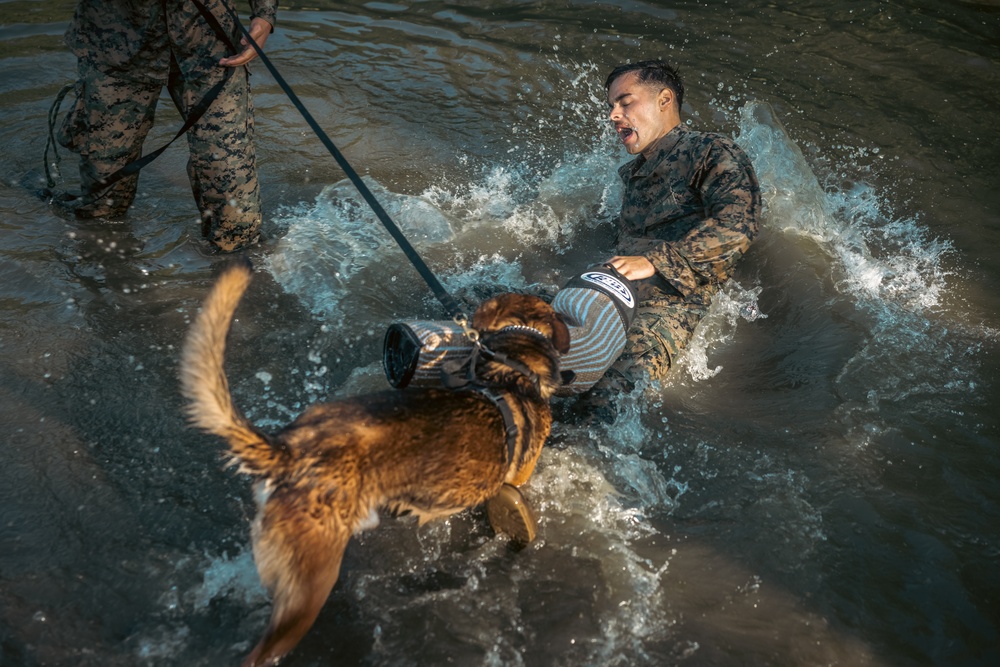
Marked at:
<point>813,487</point>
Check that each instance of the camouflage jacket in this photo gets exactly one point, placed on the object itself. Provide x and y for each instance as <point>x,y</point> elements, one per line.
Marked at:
<point>691,210</point>
<point>135,39</point>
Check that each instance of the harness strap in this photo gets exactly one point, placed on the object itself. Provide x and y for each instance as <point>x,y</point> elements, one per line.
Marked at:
<point>510,426</point>
<point>461,376</point>
<point>451,371</point>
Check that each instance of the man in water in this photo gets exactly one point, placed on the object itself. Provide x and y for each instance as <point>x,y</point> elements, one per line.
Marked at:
<point>689,213</point>
<point>127,50</point>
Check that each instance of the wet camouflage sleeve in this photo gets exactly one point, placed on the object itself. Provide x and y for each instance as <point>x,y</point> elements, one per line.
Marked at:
<point>134,39</point>
<point>691,209</point>
<point>264,9</point>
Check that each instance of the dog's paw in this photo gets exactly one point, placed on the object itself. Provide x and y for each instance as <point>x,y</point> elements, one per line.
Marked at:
<point>510,514</point>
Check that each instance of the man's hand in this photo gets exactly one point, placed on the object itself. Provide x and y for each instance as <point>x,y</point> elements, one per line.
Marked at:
<point>260,30</point>
<point>634,267</point>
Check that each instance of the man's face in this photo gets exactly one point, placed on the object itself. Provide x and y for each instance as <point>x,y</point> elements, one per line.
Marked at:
<point>641,112</point>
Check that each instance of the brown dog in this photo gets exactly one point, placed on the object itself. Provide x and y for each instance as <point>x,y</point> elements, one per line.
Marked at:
<point>432,452</point>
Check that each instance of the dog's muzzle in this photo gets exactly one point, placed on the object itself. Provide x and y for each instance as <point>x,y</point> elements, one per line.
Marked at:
<point>598,305</point>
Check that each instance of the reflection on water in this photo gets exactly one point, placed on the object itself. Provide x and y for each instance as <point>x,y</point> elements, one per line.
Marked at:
<point>814,484</point>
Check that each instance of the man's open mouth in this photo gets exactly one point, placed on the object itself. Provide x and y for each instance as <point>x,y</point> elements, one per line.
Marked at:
<point>624,133</point>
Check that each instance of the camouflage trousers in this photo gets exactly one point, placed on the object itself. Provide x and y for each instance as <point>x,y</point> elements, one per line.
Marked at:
<point>111,118</point>
<point>661,329</point>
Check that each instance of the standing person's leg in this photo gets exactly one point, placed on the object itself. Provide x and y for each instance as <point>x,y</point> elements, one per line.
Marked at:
<point>222,165</point>
<point>107,126</point>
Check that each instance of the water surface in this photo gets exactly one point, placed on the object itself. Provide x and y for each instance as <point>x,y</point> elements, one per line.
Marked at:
<point>814,486</point>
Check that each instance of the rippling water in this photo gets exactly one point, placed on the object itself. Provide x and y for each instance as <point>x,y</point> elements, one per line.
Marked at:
<point>814,486</point>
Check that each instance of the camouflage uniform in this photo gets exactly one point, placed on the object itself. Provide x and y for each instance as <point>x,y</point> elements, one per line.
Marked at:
<point>691,210</point>
<point>127,51</point>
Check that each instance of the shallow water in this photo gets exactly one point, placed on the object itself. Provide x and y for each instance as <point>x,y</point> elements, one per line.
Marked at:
<point>813,486</point>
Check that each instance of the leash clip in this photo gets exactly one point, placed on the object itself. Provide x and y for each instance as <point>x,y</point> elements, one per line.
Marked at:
<point>461,320</point>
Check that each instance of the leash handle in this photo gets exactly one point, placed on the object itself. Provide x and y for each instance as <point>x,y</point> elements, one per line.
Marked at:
<point>450,305</point>
<point>51,141</point>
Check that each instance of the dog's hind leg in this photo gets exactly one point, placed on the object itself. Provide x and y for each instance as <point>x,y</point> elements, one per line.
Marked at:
<point>299,543</point>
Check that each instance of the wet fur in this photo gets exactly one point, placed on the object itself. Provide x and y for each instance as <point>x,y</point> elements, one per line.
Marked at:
<point>322,478</point>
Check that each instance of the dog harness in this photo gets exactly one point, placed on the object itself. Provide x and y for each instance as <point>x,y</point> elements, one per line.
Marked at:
<point>460,376</point>
<point>510,426</point>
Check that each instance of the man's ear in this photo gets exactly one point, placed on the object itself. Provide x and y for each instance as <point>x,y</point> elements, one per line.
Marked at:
<point>665,99</point>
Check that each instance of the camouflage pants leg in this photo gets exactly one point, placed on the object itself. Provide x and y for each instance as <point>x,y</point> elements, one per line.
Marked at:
<point>106,126</point>
<point>660,330</point>
<point>222,164</point>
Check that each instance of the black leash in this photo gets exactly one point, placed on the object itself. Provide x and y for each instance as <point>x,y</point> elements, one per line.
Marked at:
<point>449,303</point>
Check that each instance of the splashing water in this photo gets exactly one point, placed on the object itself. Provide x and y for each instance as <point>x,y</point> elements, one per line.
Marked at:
<point>337,237</point>
<point>879,257</point>
<point>886,265</point>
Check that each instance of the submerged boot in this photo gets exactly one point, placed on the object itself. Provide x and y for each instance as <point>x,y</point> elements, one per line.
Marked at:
<point>510,514</point>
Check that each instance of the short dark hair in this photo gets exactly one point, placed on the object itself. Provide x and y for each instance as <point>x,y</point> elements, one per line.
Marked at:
<point>651,71</point>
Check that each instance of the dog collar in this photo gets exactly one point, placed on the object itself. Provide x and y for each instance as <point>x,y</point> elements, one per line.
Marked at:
<point>523,327</point>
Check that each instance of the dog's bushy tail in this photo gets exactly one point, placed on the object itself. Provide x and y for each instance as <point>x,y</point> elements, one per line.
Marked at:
<point>203,378</point>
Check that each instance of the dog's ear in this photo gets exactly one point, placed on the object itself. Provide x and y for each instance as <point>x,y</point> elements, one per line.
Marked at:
<point>484,318</point>
<point>560,334</point>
